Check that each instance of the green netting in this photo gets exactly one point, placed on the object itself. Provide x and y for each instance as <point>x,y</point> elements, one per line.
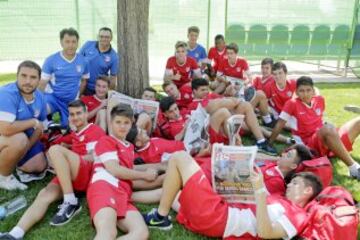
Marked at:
<point>286,29</point>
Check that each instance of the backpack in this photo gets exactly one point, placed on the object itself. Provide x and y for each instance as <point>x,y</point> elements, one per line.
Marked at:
<point>332,215</point>
<point>321,167</point>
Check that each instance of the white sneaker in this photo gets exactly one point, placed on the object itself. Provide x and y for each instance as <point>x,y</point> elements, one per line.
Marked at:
<point>29,177</point>
<point>11,183</point>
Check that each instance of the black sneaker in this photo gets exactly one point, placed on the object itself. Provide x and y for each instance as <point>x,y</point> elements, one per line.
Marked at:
<point>153,221</point>
<point>266,148</point>
<point>66,212</point>
<point>7,236</point>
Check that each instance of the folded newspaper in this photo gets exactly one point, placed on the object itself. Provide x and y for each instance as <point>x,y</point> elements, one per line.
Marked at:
<point>138,105</point>
<point>238,84</point>
<point>196,136</point>
<point>231,169</point>
<point>233,125</point>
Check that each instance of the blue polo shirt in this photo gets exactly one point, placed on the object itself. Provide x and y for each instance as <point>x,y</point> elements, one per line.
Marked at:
<point>198,53</point>
<point>100,63</point>
<point>13,107</point>
<point>64,75</point>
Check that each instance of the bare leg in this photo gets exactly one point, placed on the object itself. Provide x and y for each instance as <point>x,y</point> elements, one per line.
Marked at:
<point>352,127</point>
<point>280,138</point>
<point>66,164</point>
<point>218,120</point>
<point>261,102</point>
<point>105,224</point>
<point>148,197</point>
<point>36,164</point>
<point>134,226</point>
<point>181,167</point>
<point>331,139</point>
<point>11,150</point>
<point>38,208</point>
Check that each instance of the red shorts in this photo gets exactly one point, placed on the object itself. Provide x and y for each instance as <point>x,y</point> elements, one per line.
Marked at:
<point>207,212</point>
<point>102,194</point>
<point>83,177</point>
<point>216,137</point>
<point>315,143</point>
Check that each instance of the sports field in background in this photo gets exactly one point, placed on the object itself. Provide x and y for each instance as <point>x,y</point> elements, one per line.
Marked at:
<point>336,96</point>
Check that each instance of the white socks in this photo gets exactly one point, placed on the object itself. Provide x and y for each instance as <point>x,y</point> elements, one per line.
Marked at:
<point>70,198</point>
<point>267,119</point>
<point>17,232</point>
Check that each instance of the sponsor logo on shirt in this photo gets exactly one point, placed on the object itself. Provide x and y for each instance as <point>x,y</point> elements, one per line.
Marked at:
<point>20,110</point>
<point>78,68</point>
<point>270,172</point>
<point>36,113</point>
<point>107,58</point>
<point>186,96</point>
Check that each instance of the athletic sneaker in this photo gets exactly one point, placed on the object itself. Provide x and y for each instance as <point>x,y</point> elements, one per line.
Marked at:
<point>270,125</point>
<point>265,148</point>
<point>153,221</point>
<point>29,177</point>
<point>11,183</point>
<point>352,108</point>
<point>66,212</point>
<point>7,236</point>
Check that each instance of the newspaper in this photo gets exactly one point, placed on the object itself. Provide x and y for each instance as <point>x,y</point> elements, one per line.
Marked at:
<point>196,136</point>
<point>138,105</point>
<point>238,85</point>
<point>231,168</point>
<point>233,125</point>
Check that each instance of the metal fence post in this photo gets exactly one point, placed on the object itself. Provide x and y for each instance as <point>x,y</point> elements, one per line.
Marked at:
<point>350,42</point>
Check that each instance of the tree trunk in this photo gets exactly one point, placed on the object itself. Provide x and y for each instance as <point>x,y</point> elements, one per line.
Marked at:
<point>132,39</point>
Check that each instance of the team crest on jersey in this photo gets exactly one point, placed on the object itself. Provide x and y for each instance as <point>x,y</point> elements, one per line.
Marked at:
<point>36,113</point>
<point>289,93</point>
<point>107,58</point>
<point>196,55</point>
<point>318,111</point>
<point>78,68</point>
<point>270,172</point>
<point>238,69</point>
<point>81,138</point>
<point>188,69</point>
<point>186,96</point>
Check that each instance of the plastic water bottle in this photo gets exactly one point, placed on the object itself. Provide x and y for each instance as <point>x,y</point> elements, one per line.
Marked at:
<point>12,206</point>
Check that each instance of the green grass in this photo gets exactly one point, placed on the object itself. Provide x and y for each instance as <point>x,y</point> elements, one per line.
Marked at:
<point>337,95</point>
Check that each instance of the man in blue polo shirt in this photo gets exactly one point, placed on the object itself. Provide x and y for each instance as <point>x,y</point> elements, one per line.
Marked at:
<point>64,75</point>
<point>22,110</point>
<point>195,50</point>
<point>102,59</point>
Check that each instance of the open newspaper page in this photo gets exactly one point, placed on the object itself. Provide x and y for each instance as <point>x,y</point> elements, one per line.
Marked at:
<point>238,84</point>
<point>138,105</point>
<point>148,106</point>
<point>233,125</point>
<point>231,168</point>
<point>196,136</point>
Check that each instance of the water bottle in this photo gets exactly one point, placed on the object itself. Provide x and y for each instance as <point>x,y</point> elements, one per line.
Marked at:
<point>12,206</point>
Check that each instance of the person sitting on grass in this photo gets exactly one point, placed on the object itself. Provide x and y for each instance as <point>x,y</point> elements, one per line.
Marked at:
<point>22,110</point>
<point>210,215</point>
<point>304,115</point>
<point>149,93</point>
<point>73,169</point>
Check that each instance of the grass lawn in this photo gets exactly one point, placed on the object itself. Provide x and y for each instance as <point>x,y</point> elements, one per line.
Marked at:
<point>337,95</point>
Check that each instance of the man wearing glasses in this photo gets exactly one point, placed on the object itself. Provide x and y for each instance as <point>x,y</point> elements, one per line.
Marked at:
<point>102,59</point>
